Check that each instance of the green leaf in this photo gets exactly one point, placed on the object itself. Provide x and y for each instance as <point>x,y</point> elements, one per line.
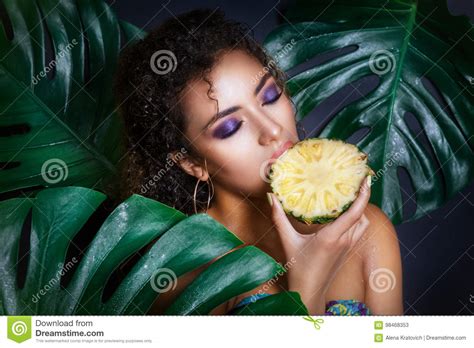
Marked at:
<point>283,303</point>
<point>177,244</point>
<point>57,215</point>
<point>231,275</point>
<point>407,44</point>
<point>58,119</point>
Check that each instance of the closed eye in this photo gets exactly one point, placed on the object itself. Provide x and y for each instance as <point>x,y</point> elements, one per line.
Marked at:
<point>271,94</point>
<point>227,128</point>
<point>273,100</point>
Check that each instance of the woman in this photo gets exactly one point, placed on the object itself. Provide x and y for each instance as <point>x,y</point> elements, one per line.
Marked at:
<point>214,109</point>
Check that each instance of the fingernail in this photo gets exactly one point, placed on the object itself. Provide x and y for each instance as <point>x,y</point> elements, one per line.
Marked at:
<point>269,196</point>
<point>368,181</point>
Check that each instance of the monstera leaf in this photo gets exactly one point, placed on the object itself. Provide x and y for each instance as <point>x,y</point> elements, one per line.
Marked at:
<point>58,124</point>
<point>55,216</point>
<point>419,117</point>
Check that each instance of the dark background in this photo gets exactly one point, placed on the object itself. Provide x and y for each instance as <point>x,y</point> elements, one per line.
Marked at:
<point>438,250</point>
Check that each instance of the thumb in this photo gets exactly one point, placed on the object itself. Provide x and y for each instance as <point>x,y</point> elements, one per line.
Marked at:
<point>283,225</point>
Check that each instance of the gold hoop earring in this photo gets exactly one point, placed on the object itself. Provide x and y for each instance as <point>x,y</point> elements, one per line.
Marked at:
<point>210,186</point>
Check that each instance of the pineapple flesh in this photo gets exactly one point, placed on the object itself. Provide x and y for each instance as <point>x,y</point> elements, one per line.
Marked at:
<point>317,179</point>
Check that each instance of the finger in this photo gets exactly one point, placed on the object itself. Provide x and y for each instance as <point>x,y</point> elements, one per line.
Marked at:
<point>347,235</point>
<point>279,218</point>
<point>355,211</point>
<point>360,230</point>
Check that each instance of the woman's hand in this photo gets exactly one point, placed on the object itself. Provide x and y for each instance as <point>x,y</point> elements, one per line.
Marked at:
<point>317,257</point>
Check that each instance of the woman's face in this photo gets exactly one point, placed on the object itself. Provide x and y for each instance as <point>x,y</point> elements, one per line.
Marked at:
<point>253,121</point>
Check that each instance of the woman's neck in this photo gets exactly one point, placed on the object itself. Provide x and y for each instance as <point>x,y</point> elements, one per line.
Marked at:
<point>250,219</point>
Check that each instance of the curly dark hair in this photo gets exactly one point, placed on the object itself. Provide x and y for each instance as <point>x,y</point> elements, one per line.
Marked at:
<point>149,102</point>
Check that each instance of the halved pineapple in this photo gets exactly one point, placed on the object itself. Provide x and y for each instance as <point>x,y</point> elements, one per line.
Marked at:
<point>317,179</point>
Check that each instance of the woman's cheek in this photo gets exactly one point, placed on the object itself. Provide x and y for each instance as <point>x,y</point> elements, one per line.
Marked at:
<point>287,114</point>
<point>239,167</point>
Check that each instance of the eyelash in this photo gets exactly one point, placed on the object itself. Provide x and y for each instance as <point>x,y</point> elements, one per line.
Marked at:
<point>235,130</point>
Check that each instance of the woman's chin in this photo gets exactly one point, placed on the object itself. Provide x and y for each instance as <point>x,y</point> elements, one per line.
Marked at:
<point>262,191</point>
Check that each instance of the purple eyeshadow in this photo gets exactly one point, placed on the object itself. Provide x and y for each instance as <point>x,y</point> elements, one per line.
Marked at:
<point>270,94</point>
<point>227,128</point>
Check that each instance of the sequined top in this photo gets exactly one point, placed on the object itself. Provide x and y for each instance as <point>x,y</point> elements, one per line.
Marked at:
<point>335,307</point>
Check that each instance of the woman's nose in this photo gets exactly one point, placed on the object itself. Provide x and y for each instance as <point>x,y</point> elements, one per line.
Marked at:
<point>269,129</point>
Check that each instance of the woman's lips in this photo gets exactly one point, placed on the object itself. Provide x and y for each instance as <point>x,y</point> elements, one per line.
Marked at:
<point>282,149</point>
<point>286,145</point>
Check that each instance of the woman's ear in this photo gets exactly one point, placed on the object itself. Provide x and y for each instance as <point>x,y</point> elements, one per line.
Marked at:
<point>192,167</point>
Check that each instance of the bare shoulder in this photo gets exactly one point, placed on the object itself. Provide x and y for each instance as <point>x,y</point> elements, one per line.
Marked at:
<point>380,232</point>
<point>380,240</point>
<point>380,250</point>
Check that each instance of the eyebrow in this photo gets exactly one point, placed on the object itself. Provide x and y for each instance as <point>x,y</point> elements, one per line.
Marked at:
<point>232,109</point>
<point>262,82</point>
<point>221,114</point>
